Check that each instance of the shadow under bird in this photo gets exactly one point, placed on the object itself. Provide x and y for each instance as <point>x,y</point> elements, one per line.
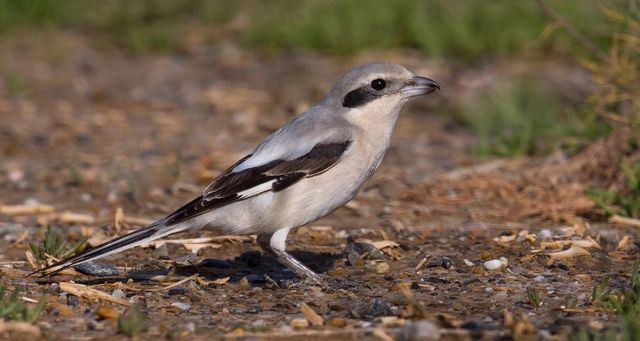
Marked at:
<point>303,171</point>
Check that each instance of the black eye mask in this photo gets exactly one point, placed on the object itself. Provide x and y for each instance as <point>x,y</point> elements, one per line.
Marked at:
<point>359,97</point>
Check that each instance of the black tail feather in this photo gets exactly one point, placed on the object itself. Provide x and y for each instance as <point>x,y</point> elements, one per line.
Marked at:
<point>148,233</point>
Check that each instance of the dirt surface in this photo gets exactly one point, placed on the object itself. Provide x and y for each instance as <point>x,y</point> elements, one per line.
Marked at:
<point>89,131</point>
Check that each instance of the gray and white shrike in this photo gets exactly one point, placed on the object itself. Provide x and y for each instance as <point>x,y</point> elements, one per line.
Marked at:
<point>303,171</point>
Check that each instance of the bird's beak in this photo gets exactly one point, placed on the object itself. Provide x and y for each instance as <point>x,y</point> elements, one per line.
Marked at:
<point>418,86</point>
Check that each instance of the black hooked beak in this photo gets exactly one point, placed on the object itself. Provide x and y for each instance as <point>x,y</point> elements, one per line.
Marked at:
<point>418,86</point>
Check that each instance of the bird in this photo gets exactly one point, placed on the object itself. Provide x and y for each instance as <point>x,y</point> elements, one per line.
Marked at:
<point>303,171</point>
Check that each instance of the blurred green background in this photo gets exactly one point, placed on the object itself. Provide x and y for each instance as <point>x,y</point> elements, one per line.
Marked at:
<point>525,117</point>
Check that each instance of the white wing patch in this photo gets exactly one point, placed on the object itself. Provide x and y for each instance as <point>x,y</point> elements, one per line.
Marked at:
<point>261,188</point>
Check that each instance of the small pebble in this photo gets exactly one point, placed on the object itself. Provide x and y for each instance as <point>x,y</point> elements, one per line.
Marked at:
<point>186,260</point>
<point>444,262</point>
<point>539,278</point>
<point>437,280</point>
<point>382,268</point>
<point>96,269</point>
<point>357,251</point>
<point>486,255</point>
<point>420,330</point>
<point>447,263</point>
<point>181,306</point>
<point>468,262</point>
<point>545,234</point>
<point>375,308</point>
<point>177,291</point>
<point>72,300</point>
<point>300,323</point>
<point>495,264</point>
<point>117,293</point>
<point>95,325</point>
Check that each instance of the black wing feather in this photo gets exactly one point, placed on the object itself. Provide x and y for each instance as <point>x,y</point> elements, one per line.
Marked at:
<point>225,188</point>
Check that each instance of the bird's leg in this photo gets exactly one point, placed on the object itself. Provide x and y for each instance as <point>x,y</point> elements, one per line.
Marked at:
<point>274,243</point>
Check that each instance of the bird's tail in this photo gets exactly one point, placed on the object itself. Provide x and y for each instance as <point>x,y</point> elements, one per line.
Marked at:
<point>144,235</point>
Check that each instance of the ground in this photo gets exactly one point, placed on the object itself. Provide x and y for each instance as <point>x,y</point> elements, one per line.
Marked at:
<point>89,132</point>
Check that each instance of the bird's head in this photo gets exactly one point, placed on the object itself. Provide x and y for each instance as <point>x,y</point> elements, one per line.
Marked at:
<point>378,90</point>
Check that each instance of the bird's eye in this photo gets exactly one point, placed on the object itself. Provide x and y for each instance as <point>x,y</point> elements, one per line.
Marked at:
<point>378,84</point>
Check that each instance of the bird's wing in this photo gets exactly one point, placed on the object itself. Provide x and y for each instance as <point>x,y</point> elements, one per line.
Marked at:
<point>239,183</point>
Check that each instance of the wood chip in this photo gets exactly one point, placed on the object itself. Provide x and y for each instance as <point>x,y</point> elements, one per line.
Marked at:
<point>383,244</point>
<point>382,335</point>
<point>573,251</point>
<point>32,260</point>
<point>90,293</point>
<point>505,239</point>
<point>559,244</point>
<point>392,321</point>
<point>626,243</point>
<point>68,217</point>
<point>300,323</point>
<point>311,315</point>
<point>19,327</point>
<point>26,209</point>
<point>616,219</point>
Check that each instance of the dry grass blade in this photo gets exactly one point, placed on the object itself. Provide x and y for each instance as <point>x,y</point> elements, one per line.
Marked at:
<point>118,219</point>
<point>421,263</point>
<point>26,209</point>
<point>90,293</point>
<point>219,281</point>
<point>180,282</point>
